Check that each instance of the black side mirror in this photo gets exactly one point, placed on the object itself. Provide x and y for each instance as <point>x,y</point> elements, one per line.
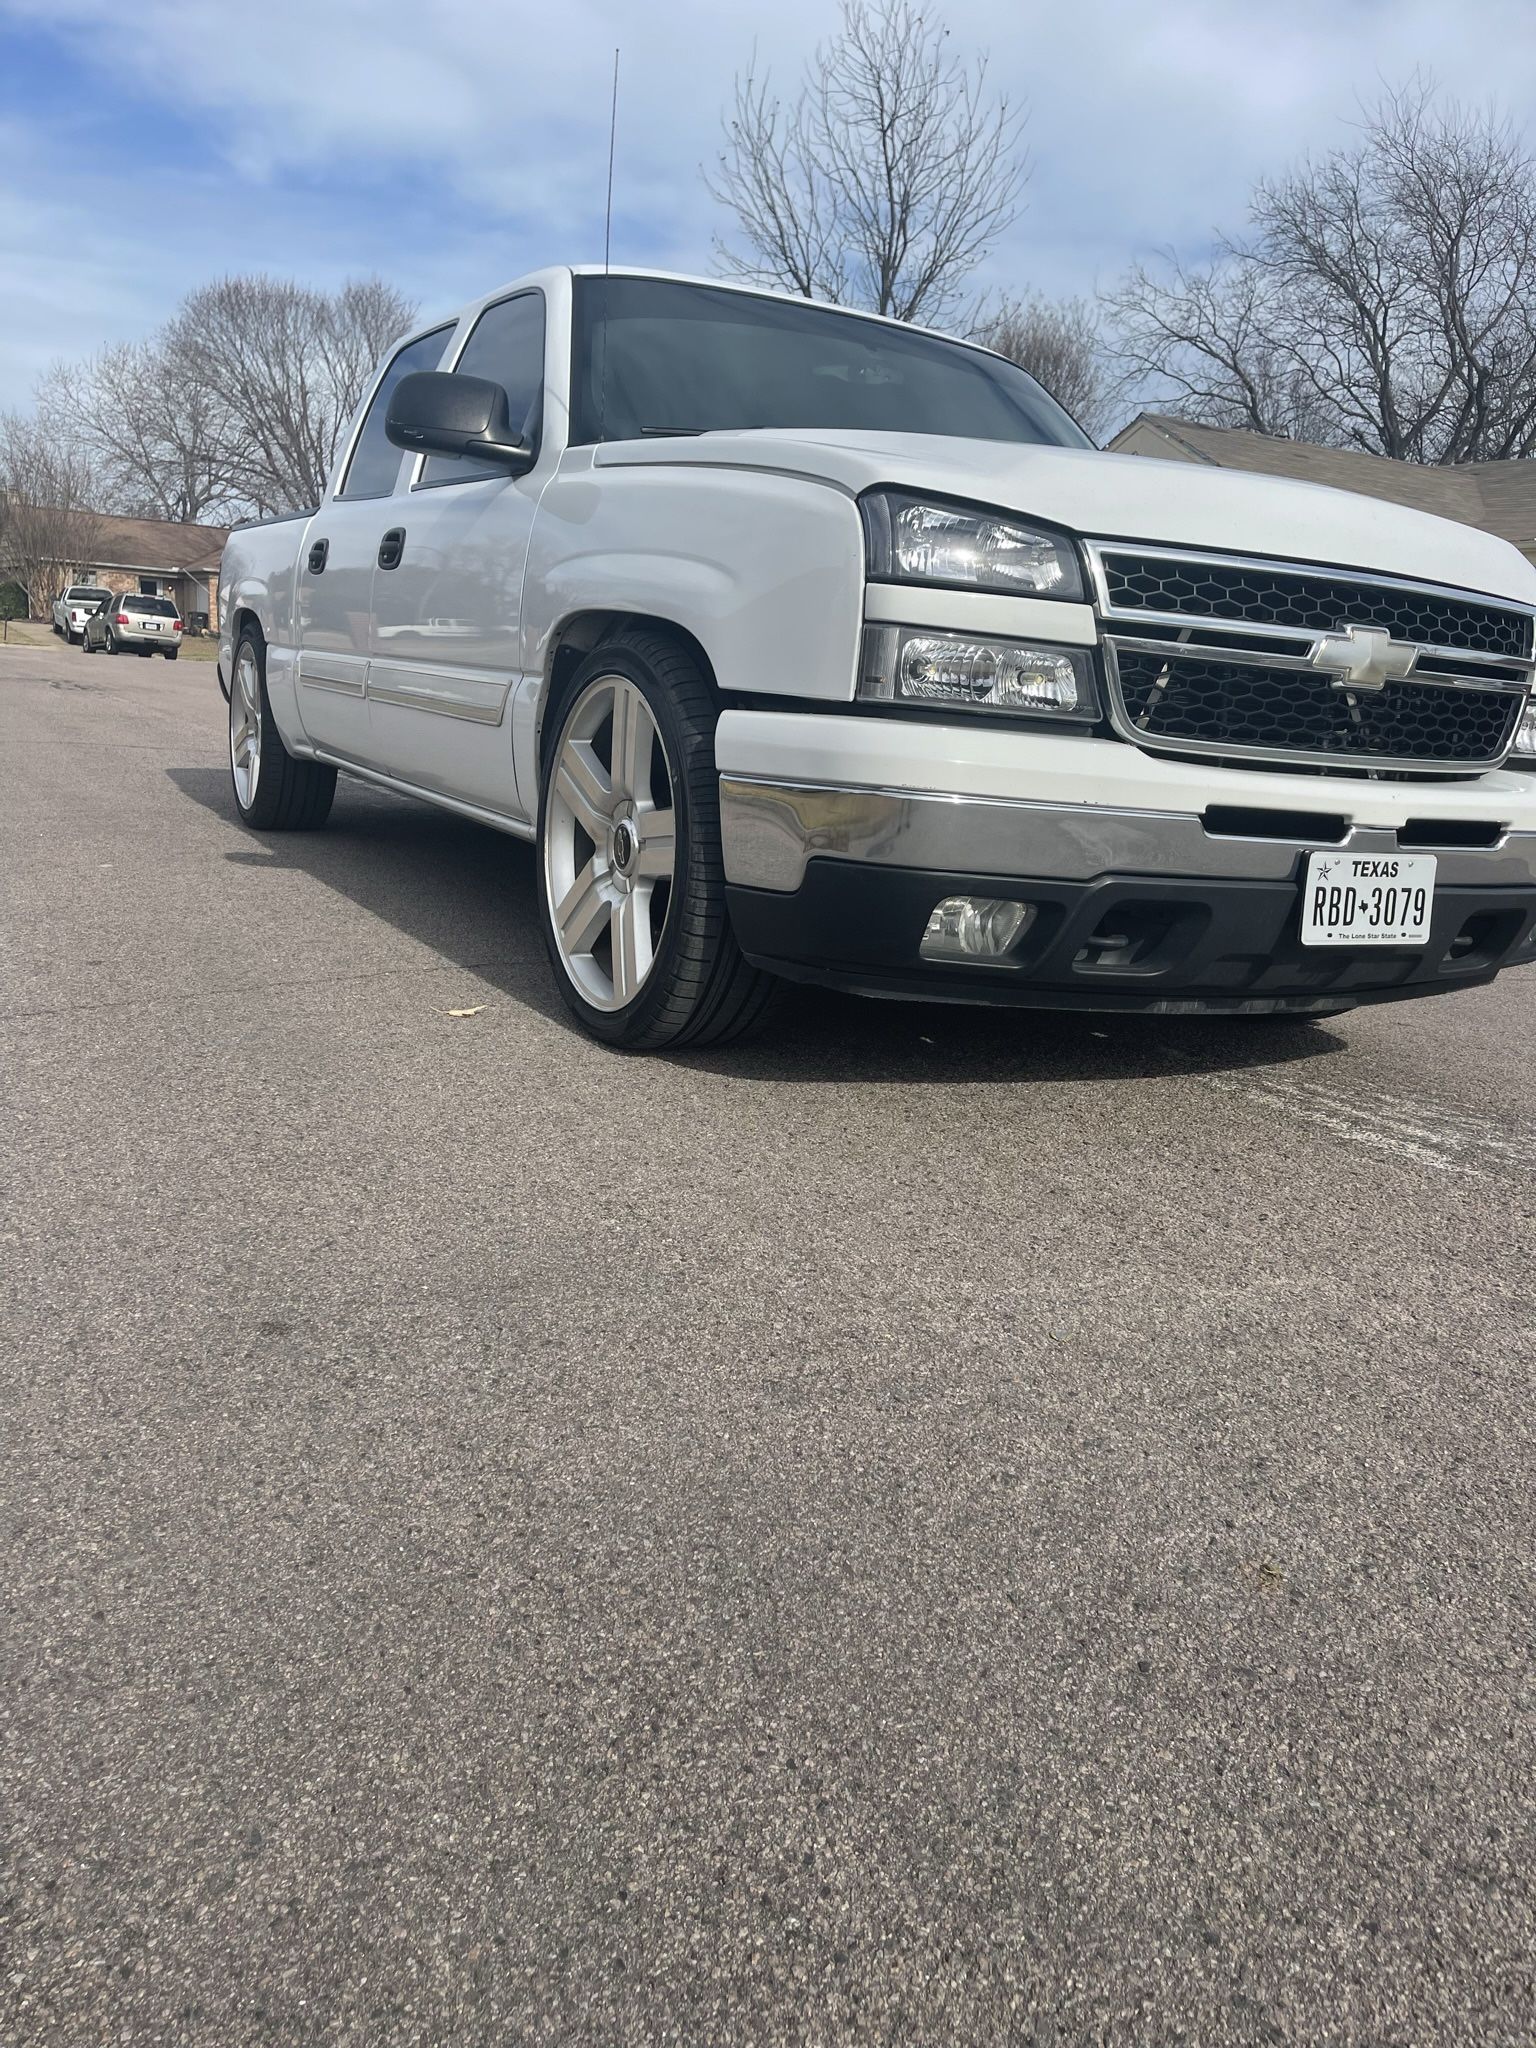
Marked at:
<point>451,415</point>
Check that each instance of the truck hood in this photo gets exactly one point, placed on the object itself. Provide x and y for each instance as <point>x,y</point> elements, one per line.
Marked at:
<point>1125,497</point>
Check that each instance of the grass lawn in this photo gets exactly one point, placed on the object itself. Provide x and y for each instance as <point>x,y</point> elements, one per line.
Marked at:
<point>34,633</point>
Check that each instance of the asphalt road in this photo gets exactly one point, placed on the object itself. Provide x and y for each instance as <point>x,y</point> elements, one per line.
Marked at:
<point>933,1527</point>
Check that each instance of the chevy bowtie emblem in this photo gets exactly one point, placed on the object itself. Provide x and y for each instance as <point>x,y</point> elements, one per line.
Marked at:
<point>1363,657</point>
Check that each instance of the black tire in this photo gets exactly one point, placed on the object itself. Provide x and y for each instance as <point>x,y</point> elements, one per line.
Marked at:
<point>290,795</point>
<point>112,646</point>
<point>171,653</point>
<point>699,990</point>
<point>85,645</point>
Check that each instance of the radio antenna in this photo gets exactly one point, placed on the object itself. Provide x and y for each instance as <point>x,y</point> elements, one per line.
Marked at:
<point>613,129</point>
<point>602,372</point>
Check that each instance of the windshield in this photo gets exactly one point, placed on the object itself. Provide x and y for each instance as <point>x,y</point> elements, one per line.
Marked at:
<point>656,357</point>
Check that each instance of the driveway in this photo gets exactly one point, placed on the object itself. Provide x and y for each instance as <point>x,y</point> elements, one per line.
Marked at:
<point>932,1526</point>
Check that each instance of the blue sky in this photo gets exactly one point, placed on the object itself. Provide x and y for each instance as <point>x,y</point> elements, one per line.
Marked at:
<point>452,144</point>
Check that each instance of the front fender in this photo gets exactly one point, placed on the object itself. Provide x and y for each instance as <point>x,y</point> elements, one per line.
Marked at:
<point>764,571</point>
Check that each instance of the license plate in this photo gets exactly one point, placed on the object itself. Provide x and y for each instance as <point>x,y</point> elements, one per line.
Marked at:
<point>1368,899</point>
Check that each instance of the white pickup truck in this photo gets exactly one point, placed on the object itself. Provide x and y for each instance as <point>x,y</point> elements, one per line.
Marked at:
<point>803,643</point>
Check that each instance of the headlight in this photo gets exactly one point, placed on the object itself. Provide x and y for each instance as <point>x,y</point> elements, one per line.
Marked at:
<point>1525,731</point>
<point>915,540</point>
<point>960,671</point>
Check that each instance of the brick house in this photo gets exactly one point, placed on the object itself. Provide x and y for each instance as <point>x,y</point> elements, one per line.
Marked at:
<point>159,558</point>
<point>1499,496</point>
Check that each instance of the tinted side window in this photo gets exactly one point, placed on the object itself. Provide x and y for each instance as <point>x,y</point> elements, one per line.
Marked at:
<point>507,348</point>
<point>375,460</point>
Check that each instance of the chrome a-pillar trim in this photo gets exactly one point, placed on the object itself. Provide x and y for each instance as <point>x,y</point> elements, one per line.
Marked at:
<point>770,830</point>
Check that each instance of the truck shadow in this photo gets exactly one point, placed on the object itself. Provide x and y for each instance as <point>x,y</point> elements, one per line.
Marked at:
<point>468,894</point>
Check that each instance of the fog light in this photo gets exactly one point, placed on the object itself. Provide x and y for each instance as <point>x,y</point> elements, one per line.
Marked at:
<point>974,927</point>
<point>1525,732</point>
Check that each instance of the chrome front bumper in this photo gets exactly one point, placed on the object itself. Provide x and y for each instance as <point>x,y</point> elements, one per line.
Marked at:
<point>771,830</point>
<point>1133,909</point>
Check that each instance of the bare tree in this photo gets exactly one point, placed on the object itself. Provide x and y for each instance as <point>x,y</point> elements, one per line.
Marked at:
<point>885,181</point>
<point>47,529</point>
<point>157,437</point>
<point>1385,298</point>
<point>237,405</point>
<point>1059,343</point>
<point>284,367</point>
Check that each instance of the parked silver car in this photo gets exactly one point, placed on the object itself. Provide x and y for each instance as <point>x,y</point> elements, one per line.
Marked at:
<point>71,611</point>
<point>134,625</point>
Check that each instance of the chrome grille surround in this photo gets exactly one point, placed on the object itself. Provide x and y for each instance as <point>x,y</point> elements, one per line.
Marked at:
<point>1250,613</point>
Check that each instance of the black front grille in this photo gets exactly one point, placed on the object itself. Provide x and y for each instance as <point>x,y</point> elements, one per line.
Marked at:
<point>1311,601</point>
<point>1245,706</point>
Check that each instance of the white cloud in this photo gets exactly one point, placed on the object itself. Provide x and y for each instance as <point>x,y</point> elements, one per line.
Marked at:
<point>452,143</point>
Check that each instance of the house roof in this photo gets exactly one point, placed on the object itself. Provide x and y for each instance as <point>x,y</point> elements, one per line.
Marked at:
<point>1499,496</point>
<point>158,546</point>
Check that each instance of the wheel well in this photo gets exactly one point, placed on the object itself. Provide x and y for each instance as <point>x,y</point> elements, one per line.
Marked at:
<point>239,618</point>
<point>578,635</point>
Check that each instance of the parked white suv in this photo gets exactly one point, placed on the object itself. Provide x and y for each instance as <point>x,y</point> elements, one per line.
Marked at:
<point>805,643</point>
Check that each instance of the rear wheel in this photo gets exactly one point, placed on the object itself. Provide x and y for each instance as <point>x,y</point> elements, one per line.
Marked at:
<point>171,653</point>
<point>631,881</point>
<point>112,644</point>
<point>273,791</point>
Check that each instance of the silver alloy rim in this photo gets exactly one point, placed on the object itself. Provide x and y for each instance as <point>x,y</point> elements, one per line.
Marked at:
<point>610,842</point>
<point>245,727</point>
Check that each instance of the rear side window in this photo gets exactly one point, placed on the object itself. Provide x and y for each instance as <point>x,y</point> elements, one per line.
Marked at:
<point>507,348</point>
<point>376,460</point>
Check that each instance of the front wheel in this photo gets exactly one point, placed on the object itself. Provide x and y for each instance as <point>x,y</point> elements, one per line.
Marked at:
<point>273,791</point>
<point>631,880</point>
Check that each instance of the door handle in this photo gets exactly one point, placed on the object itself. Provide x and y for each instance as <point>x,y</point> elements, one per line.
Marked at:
<point>391,548</point>
<point>317,555</point>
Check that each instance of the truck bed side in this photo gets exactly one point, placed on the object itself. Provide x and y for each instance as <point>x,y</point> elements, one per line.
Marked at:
<point>258,579</point>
